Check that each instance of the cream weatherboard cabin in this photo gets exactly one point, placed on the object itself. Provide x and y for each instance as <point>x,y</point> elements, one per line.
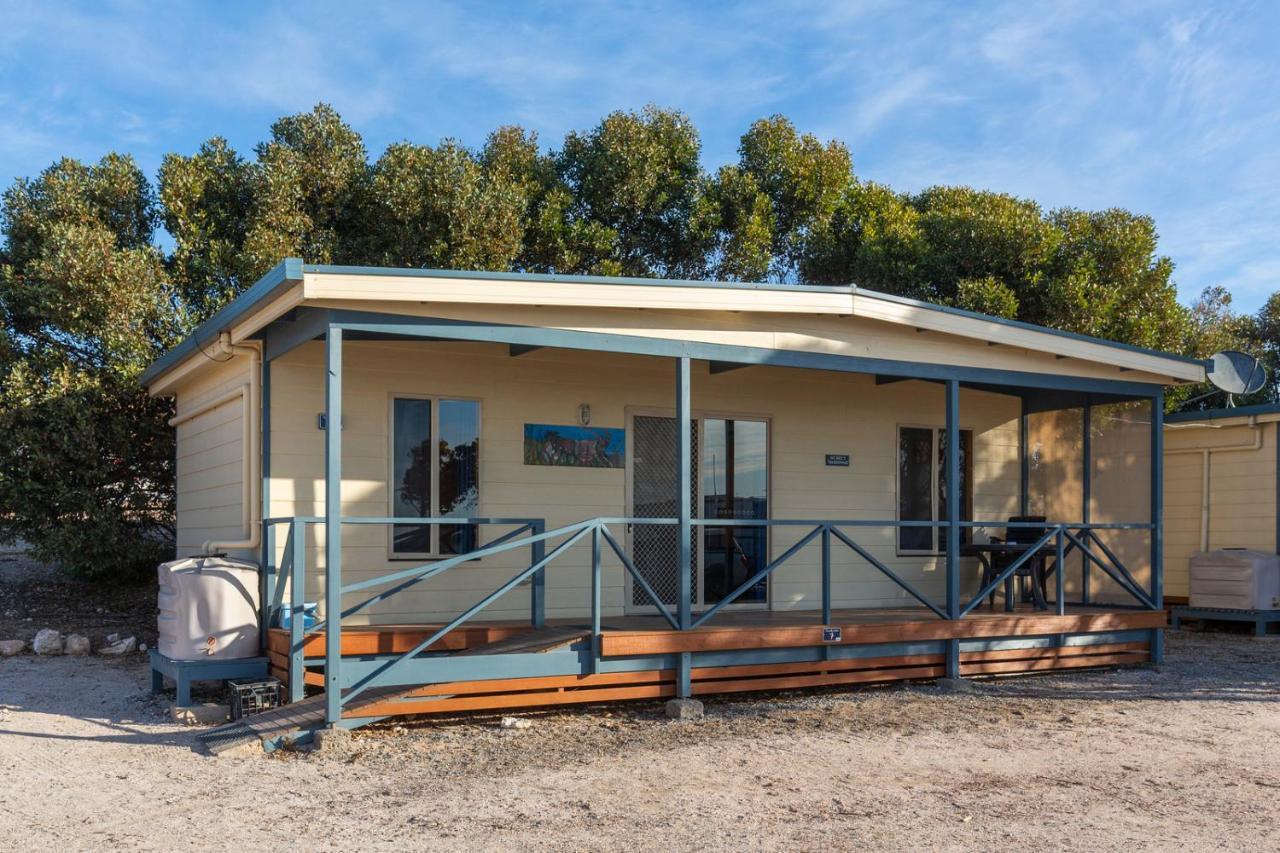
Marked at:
<point>507,490</point>
<point>1222,476</point>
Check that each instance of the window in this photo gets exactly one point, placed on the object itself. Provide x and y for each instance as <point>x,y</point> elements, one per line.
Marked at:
<point>922,487</point>
<point>435,471</point>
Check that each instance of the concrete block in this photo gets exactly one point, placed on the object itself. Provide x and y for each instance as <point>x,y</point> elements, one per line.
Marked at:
<point>684,709</point>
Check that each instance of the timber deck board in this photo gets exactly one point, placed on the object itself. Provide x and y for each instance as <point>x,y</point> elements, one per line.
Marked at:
<point>530,642</point>
<point>746,629</point>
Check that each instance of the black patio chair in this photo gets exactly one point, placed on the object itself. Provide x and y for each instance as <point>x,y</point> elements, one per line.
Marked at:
<point>1032,571</point>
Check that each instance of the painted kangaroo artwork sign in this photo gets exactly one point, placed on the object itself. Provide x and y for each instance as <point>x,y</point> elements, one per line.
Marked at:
<point>574,446</point>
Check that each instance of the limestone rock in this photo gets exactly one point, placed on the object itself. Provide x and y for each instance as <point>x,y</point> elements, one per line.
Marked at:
<point>208,713</point>
<point>75,644</point>
<point>47,642</point>
<point>516,723</point>
<point>684,709</point>
<point>120,647</point>
<point>335,742</point>
<point>9,648</point>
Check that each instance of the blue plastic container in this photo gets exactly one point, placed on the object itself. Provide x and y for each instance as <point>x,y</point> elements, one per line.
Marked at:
<point>308,615</point>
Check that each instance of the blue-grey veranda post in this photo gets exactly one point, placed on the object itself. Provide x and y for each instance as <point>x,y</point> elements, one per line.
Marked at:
<point>1157,520</point>
<point>953,519</point>
<point>684,502</point>
<point>333,525</point>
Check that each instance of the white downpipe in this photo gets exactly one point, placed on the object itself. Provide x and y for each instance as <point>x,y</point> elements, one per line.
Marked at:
<point>1254,445</point>
<point>250,472</point>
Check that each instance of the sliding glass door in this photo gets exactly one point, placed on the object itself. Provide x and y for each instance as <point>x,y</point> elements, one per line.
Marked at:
<point>735,485</point>
<point>730,480</point>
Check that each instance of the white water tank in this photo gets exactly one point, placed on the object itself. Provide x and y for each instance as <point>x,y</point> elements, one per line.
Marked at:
<point>1236,579</point>
<point>208,609</point>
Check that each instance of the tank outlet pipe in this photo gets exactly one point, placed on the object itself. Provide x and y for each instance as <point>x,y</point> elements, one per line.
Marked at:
<point>250,395</point>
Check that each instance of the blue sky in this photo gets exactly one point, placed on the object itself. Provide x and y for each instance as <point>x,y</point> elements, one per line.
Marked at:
<point>1167,108</point>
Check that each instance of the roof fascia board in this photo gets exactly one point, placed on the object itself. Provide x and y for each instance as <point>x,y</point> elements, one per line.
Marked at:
<point>481,275</point>
<point>838,300</point>
<point>494,290</point>
<point>1258,410</point>
<point>277,280</point>
<point>939,319</point>
<point>1004,322</point>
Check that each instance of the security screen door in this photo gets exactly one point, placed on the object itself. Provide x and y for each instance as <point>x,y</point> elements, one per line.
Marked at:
<point>730,480</point>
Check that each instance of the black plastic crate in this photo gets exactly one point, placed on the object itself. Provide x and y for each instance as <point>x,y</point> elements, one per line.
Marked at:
<point>253,697</point>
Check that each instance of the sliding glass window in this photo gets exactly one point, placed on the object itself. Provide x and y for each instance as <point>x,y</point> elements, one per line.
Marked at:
<point>435,471</point>
<point>922,487</point>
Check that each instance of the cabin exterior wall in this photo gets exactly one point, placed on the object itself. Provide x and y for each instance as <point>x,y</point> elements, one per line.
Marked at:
<point>811,413</point>
<point>209,459</point>
<point>1242,492</point>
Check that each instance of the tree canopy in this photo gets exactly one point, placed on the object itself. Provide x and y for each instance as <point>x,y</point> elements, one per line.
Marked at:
<point>88,297</point>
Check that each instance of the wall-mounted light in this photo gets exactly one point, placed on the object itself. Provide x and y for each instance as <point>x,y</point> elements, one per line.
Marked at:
<point>584,414</point>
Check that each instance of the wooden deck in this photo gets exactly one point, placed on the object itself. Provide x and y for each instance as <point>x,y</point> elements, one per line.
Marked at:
<point>632,636</point>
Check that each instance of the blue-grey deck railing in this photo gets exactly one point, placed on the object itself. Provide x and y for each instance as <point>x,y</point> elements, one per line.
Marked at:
<point>1066,538</point>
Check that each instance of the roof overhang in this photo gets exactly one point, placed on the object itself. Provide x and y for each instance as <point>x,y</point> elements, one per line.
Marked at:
<point>292,284</point>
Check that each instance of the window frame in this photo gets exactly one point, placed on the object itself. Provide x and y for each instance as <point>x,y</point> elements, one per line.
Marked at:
<point>966,471</point>
<point>434,399</point>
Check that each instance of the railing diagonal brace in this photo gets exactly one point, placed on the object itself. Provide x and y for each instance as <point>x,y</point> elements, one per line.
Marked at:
<point>1008,571</point>
<point>757,577</point>
<point>889,573</point>
<point>1092,535</point>
<point>371,679</point>
<point>639,578</point>
<point>1125,583</point>
<point>387,593</point>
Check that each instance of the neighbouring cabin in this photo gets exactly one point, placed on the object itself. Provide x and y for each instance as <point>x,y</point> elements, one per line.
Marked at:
<point>1220,486</point>
<point>623,488</point>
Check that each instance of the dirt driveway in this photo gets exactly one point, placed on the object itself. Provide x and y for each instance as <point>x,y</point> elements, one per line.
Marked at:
<point>1135,759</point>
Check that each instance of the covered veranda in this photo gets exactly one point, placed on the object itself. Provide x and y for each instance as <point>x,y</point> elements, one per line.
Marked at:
<point>1099,612</point>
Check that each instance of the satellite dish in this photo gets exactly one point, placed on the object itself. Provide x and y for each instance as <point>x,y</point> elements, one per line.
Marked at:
<point>1237,372</point>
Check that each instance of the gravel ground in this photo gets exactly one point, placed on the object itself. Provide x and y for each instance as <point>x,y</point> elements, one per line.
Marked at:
<point>1183,757</point>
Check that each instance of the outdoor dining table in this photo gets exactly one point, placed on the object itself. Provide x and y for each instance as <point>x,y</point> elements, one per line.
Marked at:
<point>1040,570</point>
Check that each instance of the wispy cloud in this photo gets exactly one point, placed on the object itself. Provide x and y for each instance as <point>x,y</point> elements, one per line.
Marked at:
<point>1168,107</point>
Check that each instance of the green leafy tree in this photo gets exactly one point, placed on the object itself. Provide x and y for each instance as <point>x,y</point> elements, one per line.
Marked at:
<point>553,241</point>
<point>86,467</point>
<point>638,177</point>
<point>439,207</point>
<point>311,193</point>
<point>741,222</point>
<point>971,234</point>
<point>987,295</point>
<point>1265,340</point>
<point>1105,278</point>
<point>804,180</point>
<point>207,201</point>
<point>872,239</point>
